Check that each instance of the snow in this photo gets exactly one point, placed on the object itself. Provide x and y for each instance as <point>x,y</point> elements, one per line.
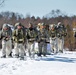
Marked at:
<point>55,64</point>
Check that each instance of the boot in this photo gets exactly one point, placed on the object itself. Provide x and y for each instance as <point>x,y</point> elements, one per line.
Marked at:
<point>21,58</point>
<point>10,55</point>
<point>4,56</point>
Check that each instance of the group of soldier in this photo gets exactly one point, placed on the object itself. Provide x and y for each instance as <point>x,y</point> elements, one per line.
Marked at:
<point>21,37</point>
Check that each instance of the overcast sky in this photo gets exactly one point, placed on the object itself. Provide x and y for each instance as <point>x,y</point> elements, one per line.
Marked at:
<point>39,7</point>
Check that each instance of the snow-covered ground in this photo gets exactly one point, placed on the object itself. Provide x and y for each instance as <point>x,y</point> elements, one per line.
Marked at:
<point>59,64</point>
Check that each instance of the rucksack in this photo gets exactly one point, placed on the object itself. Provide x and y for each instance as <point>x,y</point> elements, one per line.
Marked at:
<point>20,35</point>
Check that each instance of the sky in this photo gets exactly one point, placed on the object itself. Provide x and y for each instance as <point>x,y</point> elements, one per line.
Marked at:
<point>39,7</point>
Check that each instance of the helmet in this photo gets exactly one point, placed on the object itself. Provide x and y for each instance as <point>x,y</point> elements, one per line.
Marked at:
<point>51,26</point>
<point>18,25</point>
<point>5,26</point>
<point>39,24</point>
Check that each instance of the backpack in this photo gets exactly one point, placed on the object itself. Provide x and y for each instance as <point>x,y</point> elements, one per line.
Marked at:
<point>20,35</point>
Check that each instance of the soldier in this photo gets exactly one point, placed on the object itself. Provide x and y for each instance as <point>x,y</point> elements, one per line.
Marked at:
<point>61,33</point>
<point>19,38</point>
<point>6,35</point>
<point>42,37</point>
<point>31,36</point>
<point>53,38</point>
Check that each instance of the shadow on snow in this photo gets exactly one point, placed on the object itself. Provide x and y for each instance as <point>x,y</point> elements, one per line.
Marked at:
<point>59,58</point>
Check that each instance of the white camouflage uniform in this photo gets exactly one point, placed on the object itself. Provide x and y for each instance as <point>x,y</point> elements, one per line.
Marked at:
<point>31,36</point>
<point>53,38</point>
<point>19,39</point>
<point>6,35</point>
<point>61,32</point>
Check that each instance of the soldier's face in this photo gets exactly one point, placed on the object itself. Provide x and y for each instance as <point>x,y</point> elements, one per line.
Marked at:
<point>19,27</point>
<point>43,27</point>
<point>49,28</point>
<point>5,28</point>
<point>30,25</point>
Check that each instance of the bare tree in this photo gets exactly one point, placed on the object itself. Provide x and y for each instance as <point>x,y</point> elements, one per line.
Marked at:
<point>1,2</point>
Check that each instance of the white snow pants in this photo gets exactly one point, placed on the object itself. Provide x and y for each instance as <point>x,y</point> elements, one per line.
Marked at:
<point>31,49</point>
<point>60,44</point>
<point>53,43</point>
<point>6,47</point>
<point>19,49</point>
